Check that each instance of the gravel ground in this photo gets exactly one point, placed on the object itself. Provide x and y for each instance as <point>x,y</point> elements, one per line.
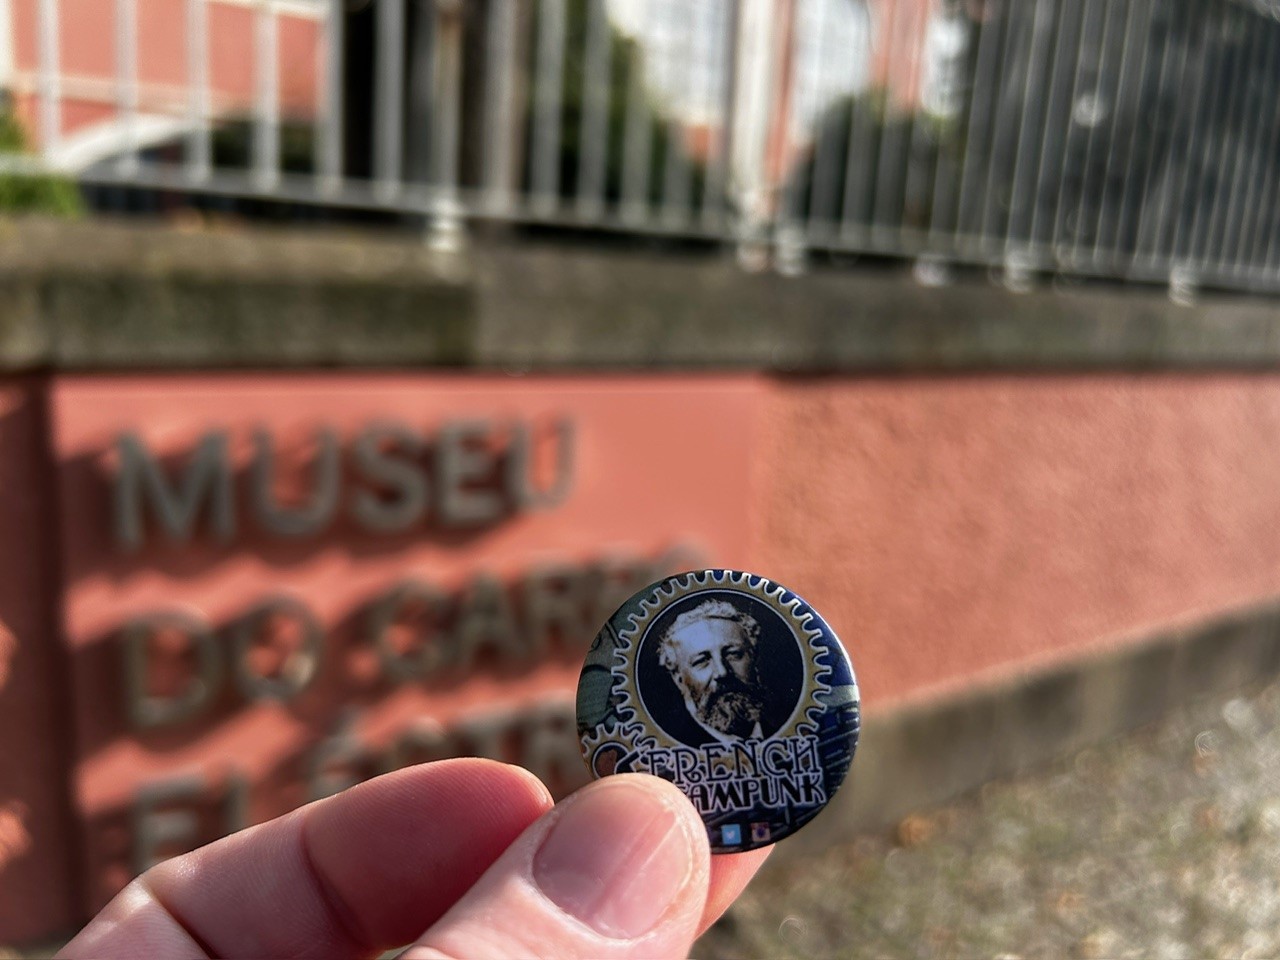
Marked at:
<point>1163,844</point>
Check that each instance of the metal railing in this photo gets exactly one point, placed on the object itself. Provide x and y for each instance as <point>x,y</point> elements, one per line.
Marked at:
<point>1125,139</point>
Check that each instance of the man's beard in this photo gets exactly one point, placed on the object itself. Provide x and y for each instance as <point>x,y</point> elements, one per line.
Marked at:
<point>732,708</point>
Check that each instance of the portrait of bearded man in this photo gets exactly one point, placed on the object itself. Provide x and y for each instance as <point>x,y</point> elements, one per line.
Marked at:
<point>713,654</point>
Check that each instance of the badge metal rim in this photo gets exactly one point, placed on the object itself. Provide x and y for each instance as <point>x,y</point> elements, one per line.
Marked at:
<point>637,728</point>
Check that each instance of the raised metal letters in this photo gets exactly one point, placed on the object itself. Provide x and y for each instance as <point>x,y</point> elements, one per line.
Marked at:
<point>398,471</point>
<point>140,480</point>
<point>551,750</point>
<point>423,741</point>
<point>299,667</point>
<point>482,473</point>
<point>154,829</point>
<point>486,621</point>
<point>237,803</point>
<point>555,603</point>
<point>315,516</point>
<point>524,493</point>
<point>339,762</point>
<point>386,612</point>
<point>464,458</point>
<point>146,710</point>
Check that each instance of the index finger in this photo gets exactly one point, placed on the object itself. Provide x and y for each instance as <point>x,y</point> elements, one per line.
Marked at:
<point>354,874</point>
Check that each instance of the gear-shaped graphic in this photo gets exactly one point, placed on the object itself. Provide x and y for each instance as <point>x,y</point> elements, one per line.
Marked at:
<point>809,706</point>
<point>626,740</point>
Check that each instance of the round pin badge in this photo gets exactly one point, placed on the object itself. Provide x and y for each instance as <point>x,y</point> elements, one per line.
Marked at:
<point>734,689</point>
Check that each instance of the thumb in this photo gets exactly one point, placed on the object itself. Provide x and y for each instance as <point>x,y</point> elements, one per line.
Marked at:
<point>620,869</point>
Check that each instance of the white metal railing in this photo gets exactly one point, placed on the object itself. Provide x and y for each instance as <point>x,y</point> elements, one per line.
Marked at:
<point>1128,139</point>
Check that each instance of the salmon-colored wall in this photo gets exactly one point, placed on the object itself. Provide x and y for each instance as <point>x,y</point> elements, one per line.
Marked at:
<point>954,530</point>
<point>962,528</point>
<point>659,469</point>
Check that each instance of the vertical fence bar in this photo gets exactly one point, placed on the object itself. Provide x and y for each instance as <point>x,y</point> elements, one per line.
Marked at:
<point>1021,199</point>
<point>545,170</point>
<point>446,99</point>
<point>824,179</point>
<point>1192,174</point>
<point>886,205</point>
<point>1005,119</point>
<point>823,172</point>
<point>820,216</point>
<point>677,176</point>
<point>1104,97</point>
<point>801,85</point>
<point>1226,197</point>
<point>753,123</point>
<point>853,172</point>
<point>720,74</point>
<point>1057,124</point>
<point>50,84</point>
<point>424,47</point>
<point>924,129</point>
<point>499,108</point>
<point>593,140</point>
<point>266,113</point>
<point>1271,252</point>
<point>127,83</point>
<point>894,196</point>
<point>1208,76</point>
<point>199,154</point>
<point>945,173</point>
<point>329,100</point>
<point>638,135</point>
<point>446,114</point>
<point>1086,43</point>
<point>1190,70</point>
<point>1135,204</point>
<point>785,98</point>
<point>1260,213</point>
<point>866,133</point>
<point>1269,228</point>
<point>1132,64</point>
<point>1244,202</point>
<point>388,98</point>
<point>1217,149</point>
<point>857,160</point>
<point>981,103</point>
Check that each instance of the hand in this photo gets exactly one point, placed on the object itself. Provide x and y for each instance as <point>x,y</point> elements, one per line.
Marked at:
<point>461,858</point>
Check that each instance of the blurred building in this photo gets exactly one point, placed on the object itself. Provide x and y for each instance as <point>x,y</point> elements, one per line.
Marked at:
<point>123,77</point>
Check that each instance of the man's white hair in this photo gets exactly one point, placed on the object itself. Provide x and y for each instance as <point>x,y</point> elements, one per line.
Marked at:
<point>711,610</point>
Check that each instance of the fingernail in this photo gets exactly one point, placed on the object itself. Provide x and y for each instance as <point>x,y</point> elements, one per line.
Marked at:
<point>616,858</point>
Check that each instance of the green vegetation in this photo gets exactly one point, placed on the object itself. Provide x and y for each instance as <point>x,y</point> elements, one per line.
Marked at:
<point>891,142</point>
<point>22,193</point>
<point>622,54</point>
<point>232,141</point>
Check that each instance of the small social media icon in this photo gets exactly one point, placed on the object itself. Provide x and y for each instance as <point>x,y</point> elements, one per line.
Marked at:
<point>731,834</point>
<point>760,833</point>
